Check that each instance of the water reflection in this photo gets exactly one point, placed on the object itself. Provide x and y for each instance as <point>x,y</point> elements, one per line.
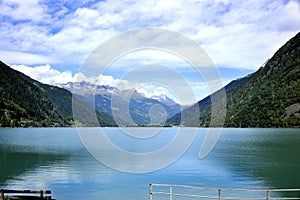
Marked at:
<point>55,159</point>
<point>14,164</point>
<point>269,155</point>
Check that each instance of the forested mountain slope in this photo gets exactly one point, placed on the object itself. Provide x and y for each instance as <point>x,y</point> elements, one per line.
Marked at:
<point>26,102</point>
<point>270,97</point>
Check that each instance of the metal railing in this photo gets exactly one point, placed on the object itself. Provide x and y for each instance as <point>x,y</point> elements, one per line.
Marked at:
<point>168,190</point>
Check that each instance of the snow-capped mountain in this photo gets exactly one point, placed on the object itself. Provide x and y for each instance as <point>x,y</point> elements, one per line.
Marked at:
<point>163,98</point>
<point>129,107</point>
<point>83,88</point>
<point>86,88</point>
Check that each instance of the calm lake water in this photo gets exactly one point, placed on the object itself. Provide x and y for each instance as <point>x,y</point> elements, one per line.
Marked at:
<point>55,159</point>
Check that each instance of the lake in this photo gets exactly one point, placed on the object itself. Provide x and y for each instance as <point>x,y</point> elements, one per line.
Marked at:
<point>56,159</point>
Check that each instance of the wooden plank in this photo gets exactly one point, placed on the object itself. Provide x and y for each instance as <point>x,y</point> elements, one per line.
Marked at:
<point>27,191</point>
<point>25,195</point>
<point>21,197</point>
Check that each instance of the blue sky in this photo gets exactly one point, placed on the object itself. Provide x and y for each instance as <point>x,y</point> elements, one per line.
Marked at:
<point>50,40</point>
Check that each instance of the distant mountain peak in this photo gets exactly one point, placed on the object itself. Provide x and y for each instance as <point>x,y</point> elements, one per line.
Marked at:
<point>84,87</point>
<point>163,98</point>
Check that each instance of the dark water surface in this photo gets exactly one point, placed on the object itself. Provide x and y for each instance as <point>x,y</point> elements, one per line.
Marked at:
<point>55,159</point>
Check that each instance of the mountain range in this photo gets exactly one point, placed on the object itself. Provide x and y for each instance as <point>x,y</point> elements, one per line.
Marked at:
<point>269,97</point>
<point>27,102</point>
<point>128,107</point>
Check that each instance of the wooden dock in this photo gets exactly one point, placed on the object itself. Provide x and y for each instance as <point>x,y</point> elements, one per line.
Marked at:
<point>25,195</point>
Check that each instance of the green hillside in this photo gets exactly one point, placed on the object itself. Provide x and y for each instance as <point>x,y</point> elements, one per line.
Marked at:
<point>26,102</point>
<point>269,97</point>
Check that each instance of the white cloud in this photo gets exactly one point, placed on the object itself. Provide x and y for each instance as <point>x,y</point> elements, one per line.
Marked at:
<point>102,80</point>
<point>290,20</point>
<point>48,75</point>
<point>149,56</point>
<point>199,91</point>
<point>24,58</point>
<point>235,34</point>
<point>24,10</point>
<point>45,74</point>
<point>153,90</point>
<point>247,33</point>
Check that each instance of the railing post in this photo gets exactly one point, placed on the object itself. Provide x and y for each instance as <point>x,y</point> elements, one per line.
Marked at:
<point>171,191</point>
<point>150,192</point>
<point>2,194</point>
<point>268,195</point>
<point>219,194</point>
